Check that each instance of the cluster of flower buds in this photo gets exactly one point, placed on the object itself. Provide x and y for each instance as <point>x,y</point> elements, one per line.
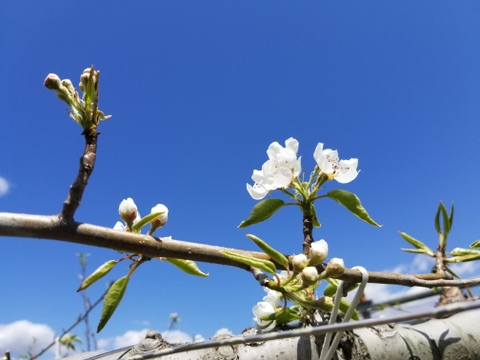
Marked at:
<point>63,89</point>
<point>128,211</point>
<point>85,110</point>
<point>317,254</point>
<point>298,287</point>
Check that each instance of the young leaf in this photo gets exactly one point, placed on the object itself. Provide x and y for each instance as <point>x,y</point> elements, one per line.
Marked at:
<point>352,203</point>
<point>475,244</point>
<point>461,252</point>
<point>452,272</point>
<point>261,264</point>
<point>452,210</point>
<point>144,221</point>
<point>316,222</point>
<point>417,243</point>
<point>446,220</point>
<point>262,211</point>
<point>463,255</point>
<point>274,254</point>
<point>112,299</point>
<point>416,251</point>
<point>189,266</point>
<point>437,220</point>
<point>330,290</point>
<point>286,315</point>
<point>344,306</point>
<point>97,274</point>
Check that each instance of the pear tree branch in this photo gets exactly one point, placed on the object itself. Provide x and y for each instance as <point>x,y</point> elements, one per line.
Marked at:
<point>50,227</point>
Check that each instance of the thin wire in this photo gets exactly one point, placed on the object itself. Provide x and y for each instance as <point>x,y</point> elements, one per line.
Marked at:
<point>333,346</point>
<point>440,311</point>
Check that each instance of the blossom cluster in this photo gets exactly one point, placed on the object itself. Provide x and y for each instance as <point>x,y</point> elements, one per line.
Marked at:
<point>283,166</point>
<point>129,213</point>
<point>271,303</point>
<point>300,283</point>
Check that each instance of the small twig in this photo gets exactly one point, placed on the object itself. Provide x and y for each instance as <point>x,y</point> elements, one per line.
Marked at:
<point>87,163</point>
<point>79,320</point>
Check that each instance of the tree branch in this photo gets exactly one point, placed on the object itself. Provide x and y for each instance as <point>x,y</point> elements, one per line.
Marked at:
<point>50,227</point>
<point>78,321</point>
<point>87,163</point>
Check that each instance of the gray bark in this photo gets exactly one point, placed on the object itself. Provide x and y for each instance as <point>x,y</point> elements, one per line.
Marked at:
<point>455,338</point>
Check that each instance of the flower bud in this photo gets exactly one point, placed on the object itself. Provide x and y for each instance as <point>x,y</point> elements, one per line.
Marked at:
<point>52,82</point>
<point>119,226</point>
<point>309,276</point>
<point>318,252</point>
<point>162,219</point>
<point>299,262</point>
<point>69,86</point>
<point>324,303</point>
<point>85,77</point>
<point>128,211</point>
<point>335,267</point>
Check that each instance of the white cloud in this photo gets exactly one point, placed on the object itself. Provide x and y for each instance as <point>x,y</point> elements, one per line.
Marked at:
<point>131,337</point>
<point>176,336</point>
<point>23,336</point>
<point>4,186</point>
<point>466,269</point>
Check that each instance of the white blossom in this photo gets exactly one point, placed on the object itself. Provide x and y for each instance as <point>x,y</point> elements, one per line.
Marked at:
<point>309,275</point>
<point>335,267</point>
<point>128,210</point>
<point>318,252</point>
<point>163,218</point>
<point>260,310</point>
<point>273,297</point>
<point>278,171</point>
<point>327,160</point>
<point>119,226</point>
<point>299,262</point>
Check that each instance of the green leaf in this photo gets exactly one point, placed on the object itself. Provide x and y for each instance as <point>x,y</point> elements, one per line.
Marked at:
<point>416,251</point>
<point>262,211</point>
<point>446,220</point>
<point>112,299</point>
<point>144,221</point>
<point>452,210</point>
<point>330,290</point>
<point>188,266</point>
<point>464,258</point>
<point>452,272</point>
<point>417,243</point>
<point>261,264</point>
<point>352,203</point>
<point>274,254</point>
<point>97,274</point>
<point>285,315</point>
<point>461,251</point>
<point>437,220</point>
<point>316,222</point>
<point>344,306</point>
<point>475,244</point>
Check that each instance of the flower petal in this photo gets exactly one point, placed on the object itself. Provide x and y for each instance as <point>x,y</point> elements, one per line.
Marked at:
<point>257,192</point>
<point>347,171</point>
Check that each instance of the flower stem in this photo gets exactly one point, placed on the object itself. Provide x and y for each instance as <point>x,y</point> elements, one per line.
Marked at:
<point>307,232</point>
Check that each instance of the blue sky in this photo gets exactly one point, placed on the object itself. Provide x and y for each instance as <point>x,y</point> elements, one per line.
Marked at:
<point>197,91</point>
